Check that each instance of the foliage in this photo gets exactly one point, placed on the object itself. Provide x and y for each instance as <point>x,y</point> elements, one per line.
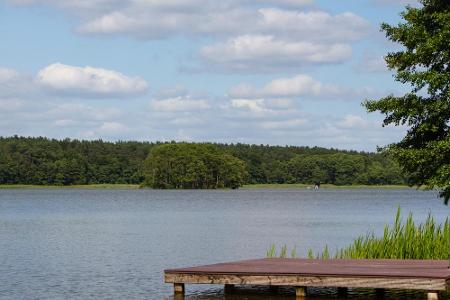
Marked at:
<point>424,64</point>
<point>193,166</point>
<point>402,240</point>
<point>43,161</point>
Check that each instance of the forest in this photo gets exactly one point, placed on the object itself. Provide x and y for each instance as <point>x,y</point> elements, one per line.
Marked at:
<point>43,161</point>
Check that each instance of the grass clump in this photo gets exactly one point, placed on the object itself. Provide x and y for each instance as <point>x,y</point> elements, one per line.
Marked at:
<point>273,253</point>
<point>402,240</point>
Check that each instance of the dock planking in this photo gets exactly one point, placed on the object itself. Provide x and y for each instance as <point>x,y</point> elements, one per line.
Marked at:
<point>429,275</point>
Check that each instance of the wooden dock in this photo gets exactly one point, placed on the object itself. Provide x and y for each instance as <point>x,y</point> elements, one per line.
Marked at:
<point>431,276</point>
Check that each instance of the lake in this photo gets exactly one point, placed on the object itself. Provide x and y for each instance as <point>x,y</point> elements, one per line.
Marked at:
<point>115,244</point>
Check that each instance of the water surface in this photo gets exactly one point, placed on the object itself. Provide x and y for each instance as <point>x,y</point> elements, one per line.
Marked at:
<point>114,244</point>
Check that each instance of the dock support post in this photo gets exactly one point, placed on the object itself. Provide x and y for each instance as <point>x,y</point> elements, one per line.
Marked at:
<point>300,292</point>
<point>178,288</point>
<point>433,296</point>
<point>379,293</point>
<point>342,291</point>
<point>228,288</point>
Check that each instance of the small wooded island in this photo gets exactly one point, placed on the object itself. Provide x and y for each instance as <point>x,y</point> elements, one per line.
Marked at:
<point>43,161</point>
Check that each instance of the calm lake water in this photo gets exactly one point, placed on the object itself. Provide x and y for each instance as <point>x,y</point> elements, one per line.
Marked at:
<point>115,244</point>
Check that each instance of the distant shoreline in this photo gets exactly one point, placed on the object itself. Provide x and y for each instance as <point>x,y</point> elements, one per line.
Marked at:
<point>247,186</point>
<point>322,186</point>
<point>81,186</point>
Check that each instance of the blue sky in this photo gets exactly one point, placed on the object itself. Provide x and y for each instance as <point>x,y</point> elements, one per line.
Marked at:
<point>267,72</point>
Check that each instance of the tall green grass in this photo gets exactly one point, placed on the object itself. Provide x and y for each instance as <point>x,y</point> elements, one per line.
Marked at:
<point>402,240</point>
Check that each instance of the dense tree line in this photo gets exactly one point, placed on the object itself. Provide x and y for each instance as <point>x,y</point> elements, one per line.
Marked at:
<point>290,164</point>
<point>67,162</point>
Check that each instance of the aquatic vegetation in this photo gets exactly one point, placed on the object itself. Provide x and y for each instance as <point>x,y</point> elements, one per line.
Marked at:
<point>272,252</point>
<point>402,240</point>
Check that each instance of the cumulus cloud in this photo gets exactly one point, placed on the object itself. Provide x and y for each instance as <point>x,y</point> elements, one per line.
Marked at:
<point>247,35</point>
<point>239,108</point>
<point>159,19</point>
<point>179,104</point>
<point>299,85</point>
<point>312,25</point>
<point>249,120</point>
<point>156,18</point>
<point>70,81</point>
<point>89,81</point>
<point>259,52</point>
<point>254,105</point>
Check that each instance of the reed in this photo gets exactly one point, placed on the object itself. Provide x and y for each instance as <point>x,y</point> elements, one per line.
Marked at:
<point>402,240</point>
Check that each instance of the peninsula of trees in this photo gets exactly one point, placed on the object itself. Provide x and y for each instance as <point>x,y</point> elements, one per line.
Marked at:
<point>42,161</point>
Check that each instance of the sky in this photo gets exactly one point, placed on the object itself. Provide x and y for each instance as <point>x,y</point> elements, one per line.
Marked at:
<point>277,72</point>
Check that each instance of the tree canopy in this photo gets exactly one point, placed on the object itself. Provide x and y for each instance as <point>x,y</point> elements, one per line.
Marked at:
<point>423,63</point>
<point>43,161</point>
<point>193,166</point>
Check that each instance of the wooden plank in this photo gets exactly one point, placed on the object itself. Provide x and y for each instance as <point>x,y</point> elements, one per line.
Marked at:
<point>374,268</point>
<point>429,284</point>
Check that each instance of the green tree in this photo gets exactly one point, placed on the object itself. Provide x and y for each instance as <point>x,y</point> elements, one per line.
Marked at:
<point>193,166</point>
<point>423,63</point>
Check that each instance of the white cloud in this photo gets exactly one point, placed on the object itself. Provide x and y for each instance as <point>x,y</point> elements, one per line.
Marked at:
<point>312,25</point>
<point>299,85</point>
<point>158,19</point>
<point>260,52</point>
<point>259,120</point>
<point>89,81</point>
<point>163,18</point>
<point>241,108</point>
<point>254,105</point>
<point>182,103</point>
<point>251,36</point>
